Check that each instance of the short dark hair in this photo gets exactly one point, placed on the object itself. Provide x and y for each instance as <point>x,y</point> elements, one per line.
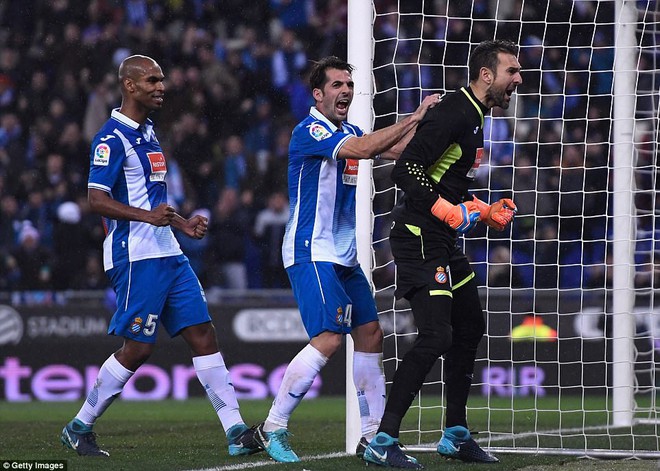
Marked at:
<point>317,77</point>
<point>485,55</point>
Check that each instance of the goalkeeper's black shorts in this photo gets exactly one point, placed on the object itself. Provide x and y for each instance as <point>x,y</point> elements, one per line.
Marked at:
<point>425,261</point>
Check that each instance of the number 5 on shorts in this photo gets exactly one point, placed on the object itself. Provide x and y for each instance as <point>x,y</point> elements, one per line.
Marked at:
<point>150,325</point>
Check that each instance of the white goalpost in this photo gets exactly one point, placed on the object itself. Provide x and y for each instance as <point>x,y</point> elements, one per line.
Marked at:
<point>569,363</point>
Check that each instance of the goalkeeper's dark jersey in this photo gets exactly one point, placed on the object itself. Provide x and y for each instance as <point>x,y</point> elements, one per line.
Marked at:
<point>441,159</point>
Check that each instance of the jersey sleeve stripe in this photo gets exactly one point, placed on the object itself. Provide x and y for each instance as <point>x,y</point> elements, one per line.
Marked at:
<point>339,145</point>
<point>98,186</point>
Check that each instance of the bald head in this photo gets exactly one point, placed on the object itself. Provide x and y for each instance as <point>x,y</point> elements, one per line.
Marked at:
<point>135,66</point>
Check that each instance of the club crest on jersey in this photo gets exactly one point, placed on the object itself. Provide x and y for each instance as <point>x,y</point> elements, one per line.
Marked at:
<point>319,132</point>
<point>158,166</point>
<point>102,155</point>
<point>136,326</point>
<point>340,315</point>
<point>350,175</point>
<point>477,161</point>
<point>440,275</point>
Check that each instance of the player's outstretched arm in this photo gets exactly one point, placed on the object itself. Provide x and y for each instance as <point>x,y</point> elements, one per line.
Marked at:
<point>395,151</point>
<point>377,142</point>
<point>101,203</point>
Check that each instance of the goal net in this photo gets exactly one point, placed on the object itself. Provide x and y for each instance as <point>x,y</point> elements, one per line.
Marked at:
<point>569,361</point>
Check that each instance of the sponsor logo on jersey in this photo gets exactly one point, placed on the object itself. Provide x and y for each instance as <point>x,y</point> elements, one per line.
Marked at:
<point>136,326</point>
<point>102,155</point>
<point>349,177</point>
<point>477,161</point>
<point>441,275</point>
<point>319,132</point>
<point>158,166</point>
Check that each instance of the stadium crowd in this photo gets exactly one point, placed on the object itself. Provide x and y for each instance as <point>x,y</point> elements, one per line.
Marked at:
<point>235,86</point>
<point>235,77</point>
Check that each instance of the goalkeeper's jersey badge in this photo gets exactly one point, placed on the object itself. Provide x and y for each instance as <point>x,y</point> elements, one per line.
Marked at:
<point>441,275</point>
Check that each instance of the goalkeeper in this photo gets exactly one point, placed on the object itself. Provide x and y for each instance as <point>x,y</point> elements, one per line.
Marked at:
<point>433,274</point>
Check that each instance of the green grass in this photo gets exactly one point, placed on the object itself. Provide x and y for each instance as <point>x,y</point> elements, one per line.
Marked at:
<point>172,435</point>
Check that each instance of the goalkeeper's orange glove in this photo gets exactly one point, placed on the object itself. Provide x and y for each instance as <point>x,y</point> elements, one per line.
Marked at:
<point>461,217</point>
<point>498,215</point>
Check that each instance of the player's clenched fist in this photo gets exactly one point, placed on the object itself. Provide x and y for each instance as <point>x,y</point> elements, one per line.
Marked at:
<point>199,225</point>
<point>498,215</point>
<point>460,217</point>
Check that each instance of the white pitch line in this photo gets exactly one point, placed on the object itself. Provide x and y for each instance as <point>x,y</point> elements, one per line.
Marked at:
<point>260,464</point>
<point>509,436</point>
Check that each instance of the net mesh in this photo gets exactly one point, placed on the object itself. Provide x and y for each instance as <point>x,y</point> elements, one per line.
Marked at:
<point>544,370</point>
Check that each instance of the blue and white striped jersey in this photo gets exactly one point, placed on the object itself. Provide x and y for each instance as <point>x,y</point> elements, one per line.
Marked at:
<point>127,162</point>
<point>321,226</point>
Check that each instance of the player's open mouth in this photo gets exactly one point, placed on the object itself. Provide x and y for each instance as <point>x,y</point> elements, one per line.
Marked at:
<point>342,105</point>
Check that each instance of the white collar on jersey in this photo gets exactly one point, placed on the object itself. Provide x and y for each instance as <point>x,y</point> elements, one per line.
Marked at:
<point>318,115</point>
<point>122,118</point>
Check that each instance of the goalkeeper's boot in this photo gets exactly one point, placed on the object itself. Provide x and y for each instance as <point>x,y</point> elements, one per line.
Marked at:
<point>361,446</point>
<point>364,443</point>
<point>241,440</point>
<point>276,444</point>
<point>79,437</point>
<point>384,450</point>
<point>457,443</point>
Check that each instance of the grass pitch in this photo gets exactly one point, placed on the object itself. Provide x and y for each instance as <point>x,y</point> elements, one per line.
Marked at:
<point>173,435</point>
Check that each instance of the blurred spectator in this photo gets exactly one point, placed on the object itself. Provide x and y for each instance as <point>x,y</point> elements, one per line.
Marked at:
<point>269,231</point>
<point>259,135</point>
<point>10,223</point>
<point>191,145</point>
<point>501,272</point>
<point>214,72</point>
<point>12,148</point>
<point>235,163</point>
<point>571,191</point>
<point>228,232</point>
<point>293,14</point>
<point>74,150</point>
<point>33,100</point>
<point>70,244</point>
<point>101,99</point>
<point>33,261</point>
<point>38,212</point>
<point>92,276</point>
<point>299,95</point>
<point>179,99</point>
<point>245,76</point>
<point>7,93</point>
<point>289,59</point>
